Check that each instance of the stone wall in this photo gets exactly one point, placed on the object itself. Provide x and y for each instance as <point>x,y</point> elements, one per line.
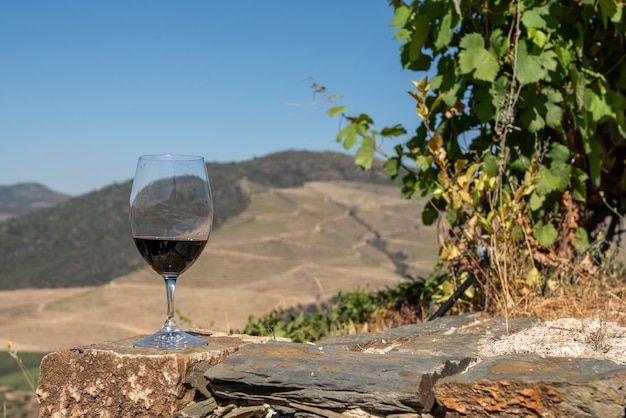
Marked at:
<point>444,368</point>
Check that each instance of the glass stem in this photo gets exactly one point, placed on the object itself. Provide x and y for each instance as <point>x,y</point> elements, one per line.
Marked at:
<point>170,287</point>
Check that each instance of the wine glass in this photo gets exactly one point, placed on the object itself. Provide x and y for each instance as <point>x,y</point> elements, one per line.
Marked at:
<point>171,216</point>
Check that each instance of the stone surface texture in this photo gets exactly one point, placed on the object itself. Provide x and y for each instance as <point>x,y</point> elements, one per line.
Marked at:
<point>336,379</point>
<point>523,385</point>
<point>466,366</point>
<point>116,379</point>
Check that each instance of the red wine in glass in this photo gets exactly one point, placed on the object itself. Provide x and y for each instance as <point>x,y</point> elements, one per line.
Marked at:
<point>171,216</point>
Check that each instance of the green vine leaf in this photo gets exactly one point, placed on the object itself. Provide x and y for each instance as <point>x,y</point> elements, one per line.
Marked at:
<point>581,239</point>
<point>347,136</point>
<point>545,234</point>
<point>562,173</point>
<point>498,44</point>
<point>528,67</point>
<point>536,201</point>
<point>365,154</point>
<point>392,131</point>
<point>546,181</point>
<point>579,184</point>
<point>400,16</point>
<point>564,56</point>
<point>559,153</point>
<point>444,31</point>
<point>421,30</point>
<point>391,167</point>
<point>610,11</point>
<point>482,103</point>
<point>473,57</point>
<point>429,214</point>
<point>539,37</point>
<point>554,109</point>
<point>600,108</point>
<point>536,17</point>
<point>532,67</point>
<point>533,18</point>
<point>336,110</point>
<point>491,165</point>
<point>532,120</point>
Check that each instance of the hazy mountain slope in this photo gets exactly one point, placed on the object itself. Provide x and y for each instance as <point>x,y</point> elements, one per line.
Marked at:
<point>86,240</point>
<point>18,199</point>
<point>291,246</point>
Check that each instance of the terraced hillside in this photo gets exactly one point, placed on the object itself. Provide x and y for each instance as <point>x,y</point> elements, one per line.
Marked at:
<point>292,246</point>
<point>85,241</point>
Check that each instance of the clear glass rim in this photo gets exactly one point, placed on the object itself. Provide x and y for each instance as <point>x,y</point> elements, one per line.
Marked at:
<point>166,157</point>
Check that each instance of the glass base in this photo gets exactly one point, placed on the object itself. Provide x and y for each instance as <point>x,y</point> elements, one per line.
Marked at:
<point>170,339</point>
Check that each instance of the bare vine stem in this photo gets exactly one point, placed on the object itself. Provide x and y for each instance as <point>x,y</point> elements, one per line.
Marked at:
<point>502,128</point>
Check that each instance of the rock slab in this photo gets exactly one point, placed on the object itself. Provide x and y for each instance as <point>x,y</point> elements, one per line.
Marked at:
<point>116,379</point>
<point>331,379</point>
<point>433,370</point>
<point>527,385</point>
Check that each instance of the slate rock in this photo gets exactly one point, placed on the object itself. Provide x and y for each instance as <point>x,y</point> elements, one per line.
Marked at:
<point>331,379</point>
<point>529,385</point>
<point>457,336</point>
<point>259,411</point>
<point>197,409</point>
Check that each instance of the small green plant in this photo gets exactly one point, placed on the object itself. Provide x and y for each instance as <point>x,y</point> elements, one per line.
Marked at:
<point>29,378</point>
<point>358,310</point>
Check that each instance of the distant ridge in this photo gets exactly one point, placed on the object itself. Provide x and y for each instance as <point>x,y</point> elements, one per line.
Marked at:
<point>86,240</point>
<point>21,198</point>
<point>282,169</point>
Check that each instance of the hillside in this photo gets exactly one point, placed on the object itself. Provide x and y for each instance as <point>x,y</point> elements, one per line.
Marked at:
<point>292,246</point>
<point>86,241</point>
<point>22,198</point>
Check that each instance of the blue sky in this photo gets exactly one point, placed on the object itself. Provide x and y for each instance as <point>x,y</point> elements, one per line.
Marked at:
<point>87,86</point>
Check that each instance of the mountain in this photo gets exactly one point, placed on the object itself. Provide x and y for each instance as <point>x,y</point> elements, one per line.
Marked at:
<point>86,240</point>
<point>22,198</point>
<point>294,247</point>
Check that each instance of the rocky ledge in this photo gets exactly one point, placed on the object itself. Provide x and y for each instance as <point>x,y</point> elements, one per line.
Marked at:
<point>471,365</point>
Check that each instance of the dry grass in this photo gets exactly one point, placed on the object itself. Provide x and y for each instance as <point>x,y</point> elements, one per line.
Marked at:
<point>590,286</point>
<point>603,302</point>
